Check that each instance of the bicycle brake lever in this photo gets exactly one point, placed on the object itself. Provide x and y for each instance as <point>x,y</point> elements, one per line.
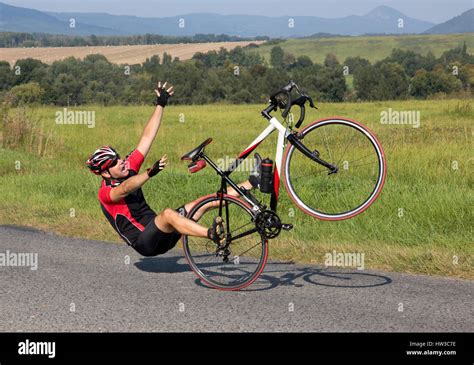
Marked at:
<point>311,104</point>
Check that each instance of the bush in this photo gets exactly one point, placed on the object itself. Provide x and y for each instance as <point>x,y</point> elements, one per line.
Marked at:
<point>426,83</point>
<point>27,93</point>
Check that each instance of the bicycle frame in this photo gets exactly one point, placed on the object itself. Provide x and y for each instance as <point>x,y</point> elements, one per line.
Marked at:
<point>284,134</point>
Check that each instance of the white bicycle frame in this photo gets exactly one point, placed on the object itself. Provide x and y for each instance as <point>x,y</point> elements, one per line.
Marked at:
<point>283,132</point>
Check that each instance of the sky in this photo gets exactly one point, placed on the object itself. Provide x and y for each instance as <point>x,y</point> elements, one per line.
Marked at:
<point>436,11</point>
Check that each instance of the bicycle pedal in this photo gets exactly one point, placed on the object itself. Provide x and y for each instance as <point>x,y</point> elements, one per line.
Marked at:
<point>287,226</point>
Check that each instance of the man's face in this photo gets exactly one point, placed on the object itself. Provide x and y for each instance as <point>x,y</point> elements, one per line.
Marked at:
<point>119,171</point>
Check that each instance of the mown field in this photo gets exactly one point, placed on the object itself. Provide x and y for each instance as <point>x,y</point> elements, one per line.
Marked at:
<point>116,54</point>
<point>371,48</point>
<point>421,223</point>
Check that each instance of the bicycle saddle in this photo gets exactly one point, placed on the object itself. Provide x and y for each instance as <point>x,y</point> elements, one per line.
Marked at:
<point>195,153</point>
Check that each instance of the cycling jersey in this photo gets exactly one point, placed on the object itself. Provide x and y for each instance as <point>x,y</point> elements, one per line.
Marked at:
<point>130,215</point>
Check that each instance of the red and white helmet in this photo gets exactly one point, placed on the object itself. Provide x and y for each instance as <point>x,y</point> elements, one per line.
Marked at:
<point>102,159</point>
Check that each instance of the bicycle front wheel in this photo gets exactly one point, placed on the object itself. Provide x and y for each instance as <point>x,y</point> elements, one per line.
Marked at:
<point>232,266</point>
<point>357,153</point>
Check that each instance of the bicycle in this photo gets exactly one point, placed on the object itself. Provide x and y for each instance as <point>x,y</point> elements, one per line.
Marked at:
<point>328,171</point>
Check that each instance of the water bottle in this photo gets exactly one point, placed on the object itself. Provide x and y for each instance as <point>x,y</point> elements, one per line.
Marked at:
<point>266,178</point>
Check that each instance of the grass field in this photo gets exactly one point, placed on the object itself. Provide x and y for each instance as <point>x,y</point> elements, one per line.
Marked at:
<point>421,223</point>
<point>371,48</point>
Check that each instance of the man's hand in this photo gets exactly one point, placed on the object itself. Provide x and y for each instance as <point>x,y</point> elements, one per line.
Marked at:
<point>157,166</point>
<point>162,94</point>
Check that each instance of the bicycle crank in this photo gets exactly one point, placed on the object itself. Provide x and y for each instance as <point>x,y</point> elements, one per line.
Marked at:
<point>268,224</point>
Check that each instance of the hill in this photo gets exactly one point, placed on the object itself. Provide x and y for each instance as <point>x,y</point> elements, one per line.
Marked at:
<point>16,19</point>
<point>463,23</point>
<point>381,20</point>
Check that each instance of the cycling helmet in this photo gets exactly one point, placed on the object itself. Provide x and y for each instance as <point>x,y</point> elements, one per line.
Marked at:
<point>102,159</point>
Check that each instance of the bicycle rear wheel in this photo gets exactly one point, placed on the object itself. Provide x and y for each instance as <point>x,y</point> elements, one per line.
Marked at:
<point>233,266</point>
<point>362,168</point>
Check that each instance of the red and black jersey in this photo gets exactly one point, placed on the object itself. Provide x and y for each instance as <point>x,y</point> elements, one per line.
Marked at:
<point>130,215</point>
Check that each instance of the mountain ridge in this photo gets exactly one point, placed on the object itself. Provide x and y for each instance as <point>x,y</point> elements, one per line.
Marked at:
<point>380,20</point>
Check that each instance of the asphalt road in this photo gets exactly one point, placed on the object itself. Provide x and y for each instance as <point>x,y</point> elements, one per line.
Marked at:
<point>83,285</point>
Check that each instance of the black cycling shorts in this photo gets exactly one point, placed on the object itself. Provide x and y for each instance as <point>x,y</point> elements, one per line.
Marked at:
<point>152,241</point>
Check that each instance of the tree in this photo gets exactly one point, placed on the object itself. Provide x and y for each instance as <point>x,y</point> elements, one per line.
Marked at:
<point>277,57</point>
<point>457,54</point>
<point>241,96</point>
<point>152,65</point>
<point>409,60</point>
<point>167,59</point>
<point>467,75</point>
<point>6,76</point>
<point>355,64</point>
<point>94,40</point>
<point>258,71</point>
<point>66,90</point>
<point>392,83</point>
<point>328,83</point>
<point>420,84</point>
<point>426,83</point>
<point>366,82</point>
<point>303,62</point>
<point>26,93</point>
<point>331,60</point>
<point>289,60</point>
<point>27,69</point>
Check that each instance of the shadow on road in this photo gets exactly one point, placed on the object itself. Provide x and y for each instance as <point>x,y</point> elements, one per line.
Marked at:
<point>163,264</point>
<point>278,274</point>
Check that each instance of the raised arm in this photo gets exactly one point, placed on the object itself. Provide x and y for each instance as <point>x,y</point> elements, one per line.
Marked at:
<point>135,182</point>
<point>151,128</point>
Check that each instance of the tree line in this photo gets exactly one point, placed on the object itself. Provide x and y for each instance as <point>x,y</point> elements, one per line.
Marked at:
<point>240,75</point>
<point>15,39</point>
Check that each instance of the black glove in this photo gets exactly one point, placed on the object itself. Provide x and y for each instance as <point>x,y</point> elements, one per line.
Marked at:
<point>157,167</point>
<point>162,100</point>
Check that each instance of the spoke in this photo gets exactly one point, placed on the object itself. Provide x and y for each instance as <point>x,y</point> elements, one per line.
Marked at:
<point>370,154</point>
<point>344,153</point>
<point>327,145</point>
<point>364,164</point>
<point>312,173</point>
<point>236,229</point>
<point>243,253</point>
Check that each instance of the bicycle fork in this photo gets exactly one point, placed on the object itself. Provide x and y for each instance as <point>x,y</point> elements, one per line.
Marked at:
<point>313,155</point>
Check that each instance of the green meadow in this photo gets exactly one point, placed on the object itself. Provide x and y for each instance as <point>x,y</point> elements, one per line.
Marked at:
<point>373,48</point>
<point>421,223</point>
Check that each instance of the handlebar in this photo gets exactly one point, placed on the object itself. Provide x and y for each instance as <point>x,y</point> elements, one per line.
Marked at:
<point>300,101</point>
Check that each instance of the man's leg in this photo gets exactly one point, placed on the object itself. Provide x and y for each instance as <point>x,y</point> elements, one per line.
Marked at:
<point>169,221</point>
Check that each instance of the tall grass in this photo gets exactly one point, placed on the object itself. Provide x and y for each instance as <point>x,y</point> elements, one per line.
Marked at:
<point>22,130</point>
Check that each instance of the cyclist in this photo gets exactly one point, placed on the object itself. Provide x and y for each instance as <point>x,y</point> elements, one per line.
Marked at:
<point>122,201</point>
